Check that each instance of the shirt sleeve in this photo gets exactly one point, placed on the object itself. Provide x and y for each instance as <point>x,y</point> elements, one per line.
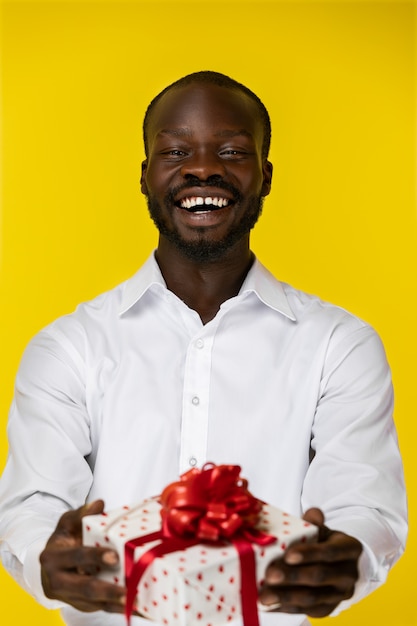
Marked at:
<point>356,474</point>
<point>46,471</point>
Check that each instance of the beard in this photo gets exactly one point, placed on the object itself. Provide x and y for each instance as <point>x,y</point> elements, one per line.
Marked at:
<point>202,249</point>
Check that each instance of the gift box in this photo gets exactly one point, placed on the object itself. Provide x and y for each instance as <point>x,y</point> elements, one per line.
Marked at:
<point>194,577</point>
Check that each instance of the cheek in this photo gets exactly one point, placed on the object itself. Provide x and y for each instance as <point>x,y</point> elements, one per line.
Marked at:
<point>253,182</point>
<point>157,180</point>
<point>148,182</point>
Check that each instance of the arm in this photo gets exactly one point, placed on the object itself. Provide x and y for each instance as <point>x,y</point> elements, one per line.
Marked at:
<point>49,441</point>
<point>355,478</point>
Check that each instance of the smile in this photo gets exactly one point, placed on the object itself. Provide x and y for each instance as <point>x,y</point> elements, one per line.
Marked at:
<point>194,203</point>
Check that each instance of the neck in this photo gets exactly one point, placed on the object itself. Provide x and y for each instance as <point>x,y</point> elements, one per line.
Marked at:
<point>204,286</point>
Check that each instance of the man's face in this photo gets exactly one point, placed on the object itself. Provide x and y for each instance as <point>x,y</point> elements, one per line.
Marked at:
<point>205,177</point>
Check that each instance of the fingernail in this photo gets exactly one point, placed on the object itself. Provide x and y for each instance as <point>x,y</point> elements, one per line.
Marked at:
<point>274,577</point>
<point>110,558</point>
<point>293,558</point>
<point>271,606</point>
<point>268,601</point>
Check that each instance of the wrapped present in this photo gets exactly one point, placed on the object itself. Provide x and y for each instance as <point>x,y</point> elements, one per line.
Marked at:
<point>197,553</point>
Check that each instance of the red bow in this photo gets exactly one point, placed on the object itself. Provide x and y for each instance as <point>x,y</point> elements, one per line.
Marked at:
<point>209,504</point>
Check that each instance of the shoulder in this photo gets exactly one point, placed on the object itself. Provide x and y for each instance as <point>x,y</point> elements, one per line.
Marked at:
<point>68,338</point>
<point>302,308</point>
<point>316,323</point>
<point>309,307</point>
<point>340,333</point>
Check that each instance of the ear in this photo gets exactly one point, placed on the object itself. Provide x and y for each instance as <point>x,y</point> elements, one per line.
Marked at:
<point>143,186</point>
<point>267,168</point>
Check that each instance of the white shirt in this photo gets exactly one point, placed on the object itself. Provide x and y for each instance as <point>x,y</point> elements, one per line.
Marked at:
<point>120,397</point>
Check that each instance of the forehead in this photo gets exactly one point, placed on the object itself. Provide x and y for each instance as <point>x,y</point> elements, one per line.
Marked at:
<point>205,108</point>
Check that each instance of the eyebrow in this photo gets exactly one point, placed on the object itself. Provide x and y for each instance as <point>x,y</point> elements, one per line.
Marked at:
<point>187,132</point>
<point>176,132</point>
<point>233,133</point>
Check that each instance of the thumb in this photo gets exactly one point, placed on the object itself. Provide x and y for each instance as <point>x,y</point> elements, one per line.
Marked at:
<point>92,508</point>
<point>314,516</point>
<point>70,522</point>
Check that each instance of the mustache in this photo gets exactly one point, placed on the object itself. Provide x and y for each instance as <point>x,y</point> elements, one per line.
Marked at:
<point>212,181</point>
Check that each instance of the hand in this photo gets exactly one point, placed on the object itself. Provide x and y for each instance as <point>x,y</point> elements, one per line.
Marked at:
<point>313,578</point>
<point>68,568</point>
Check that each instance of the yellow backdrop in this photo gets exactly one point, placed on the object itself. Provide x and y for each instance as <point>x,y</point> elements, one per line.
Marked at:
<point>339,80</point>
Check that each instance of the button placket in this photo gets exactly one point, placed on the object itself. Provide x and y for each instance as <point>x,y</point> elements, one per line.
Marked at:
<point>194,428</point>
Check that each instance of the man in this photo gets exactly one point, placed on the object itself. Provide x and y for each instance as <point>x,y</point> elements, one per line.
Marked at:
<point>204,356</point>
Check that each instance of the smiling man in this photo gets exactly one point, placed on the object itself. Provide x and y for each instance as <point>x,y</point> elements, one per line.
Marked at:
<point>205,177</point>
<point>204,356</point>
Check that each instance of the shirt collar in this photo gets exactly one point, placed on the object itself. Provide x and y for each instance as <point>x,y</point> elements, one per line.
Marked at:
<point>268,289</point>
<point>258,281</point>
<point>147,276</point>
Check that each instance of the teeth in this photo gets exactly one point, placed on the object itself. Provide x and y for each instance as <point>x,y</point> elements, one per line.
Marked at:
<point>189,203</point>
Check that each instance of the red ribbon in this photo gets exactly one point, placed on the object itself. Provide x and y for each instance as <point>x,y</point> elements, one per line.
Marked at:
<point>208,505</point>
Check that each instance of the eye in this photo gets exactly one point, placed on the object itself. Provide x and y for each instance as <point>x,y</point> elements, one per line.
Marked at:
<point>173,153</point>
<point>233,153</point>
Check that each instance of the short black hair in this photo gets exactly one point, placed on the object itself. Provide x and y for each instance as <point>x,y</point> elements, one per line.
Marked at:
<point>214,78</point>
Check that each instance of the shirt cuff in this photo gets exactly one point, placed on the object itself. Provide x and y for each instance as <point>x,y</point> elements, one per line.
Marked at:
<point>366,583</point>
<point>32,576</point>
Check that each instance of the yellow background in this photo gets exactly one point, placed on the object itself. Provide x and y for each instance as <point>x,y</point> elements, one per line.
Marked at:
<point>339,81</point>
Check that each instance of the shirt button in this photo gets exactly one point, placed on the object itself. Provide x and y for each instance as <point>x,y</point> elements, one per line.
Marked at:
<point>195,400</point>
<point>192,461</point>
<point>199,343</point>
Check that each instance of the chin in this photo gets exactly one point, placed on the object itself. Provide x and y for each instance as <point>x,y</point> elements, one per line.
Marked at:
<point>203,249</point>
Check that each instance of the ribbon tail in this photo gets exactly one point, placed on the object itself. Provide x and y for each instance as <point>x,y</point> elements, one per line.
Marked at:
<point>129,565</point>
<point>138,569</point>
<point>248,584</point>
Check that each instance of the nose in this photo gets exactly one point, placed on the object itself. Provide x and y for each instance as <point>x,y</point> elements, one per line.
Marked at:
<point>203,165</point>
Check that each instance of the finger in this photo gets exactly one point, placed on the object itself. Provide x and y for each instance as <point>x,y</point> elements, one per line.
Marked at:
<point>314,516</point>
<point>88,607</point>
<point>77,589</point>
<point>314,602</point>
<point>109,561</point>
<point>92,508</point>
<point>70,522</point>
<point>336,547</point>
<point>317,575</point>
<point>81,558</point>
